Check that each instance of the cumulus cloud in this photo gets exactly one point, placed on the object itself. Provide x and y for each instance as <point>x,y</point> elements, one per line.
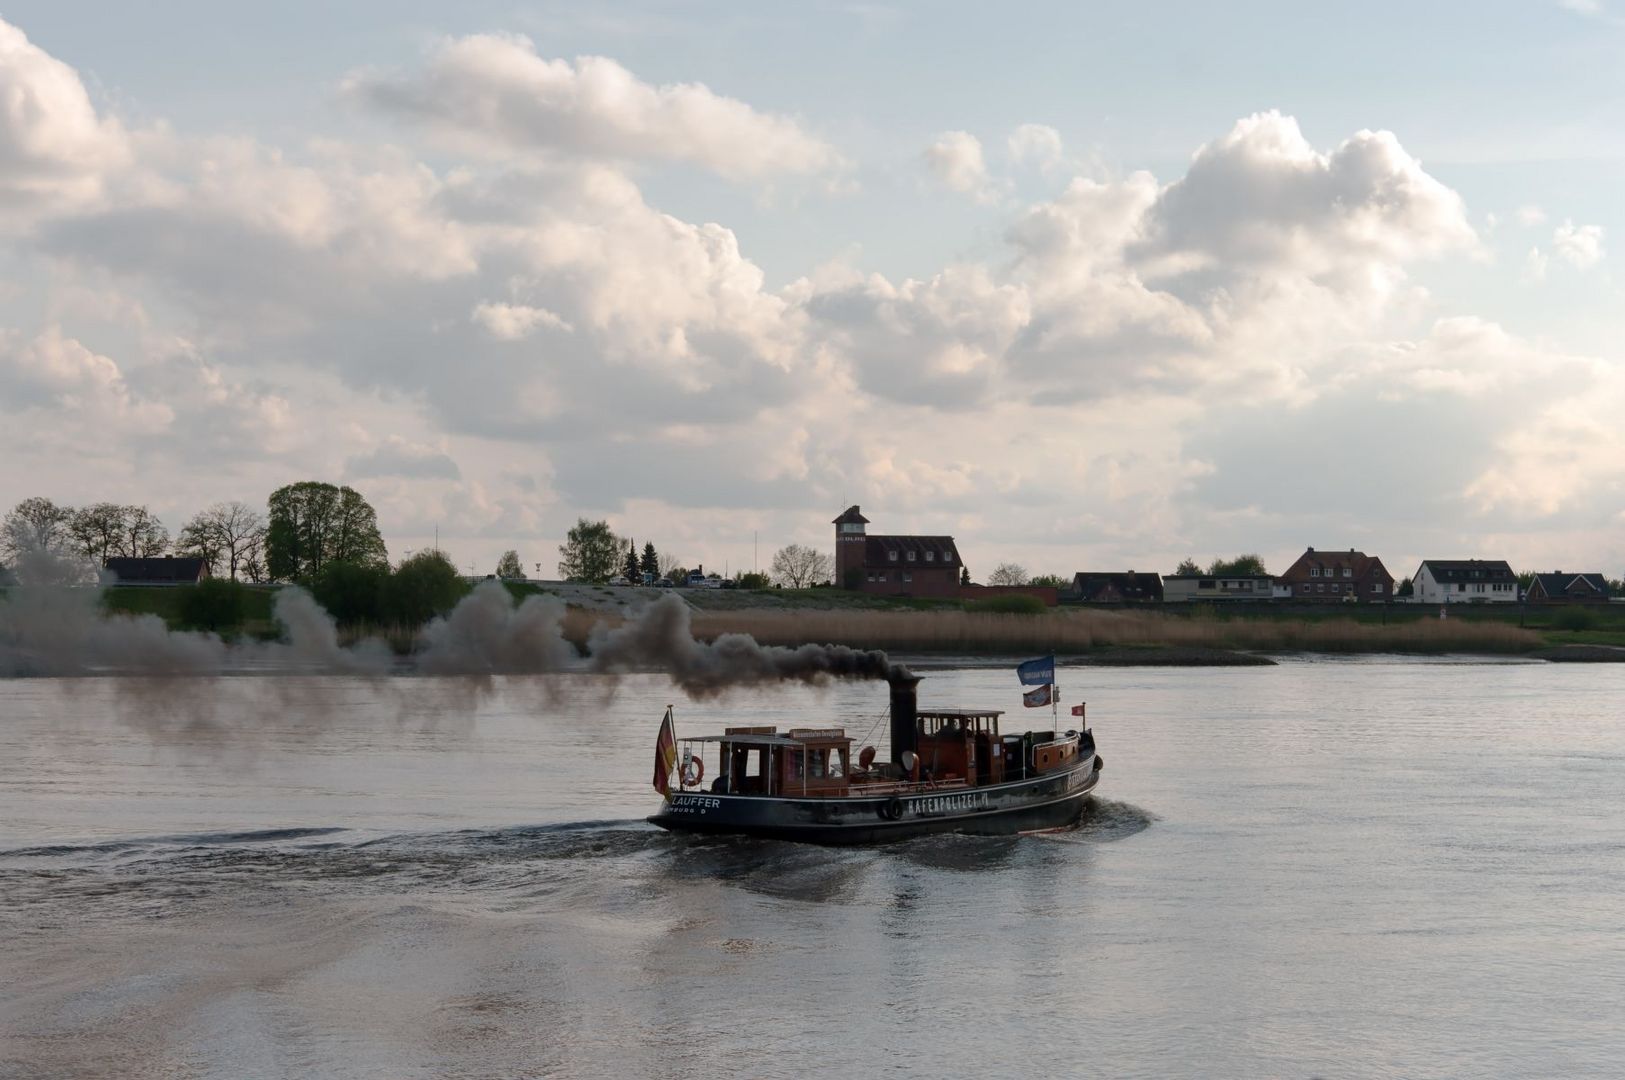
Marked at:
<point>589,352</point>
<point>955,159</point>
<point>396,456</point>
<point>54,147</point>
<point>514,322</point>
<point>1036,145</point>
<point>497,95</point>
<point>1578,245</point>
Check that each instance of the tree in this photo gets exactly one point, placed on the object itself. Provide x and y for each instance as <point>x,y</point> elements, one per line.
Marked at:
<point>312,523</point>
<point>215,604</point>
<point>350,593</point>
<point>509,568</point>
<point>144,535</point>
<point>1404,588</point>
<point>964,575</point>
<point>199,540</point>
<point>669,566</point>
<point>34,525</point>
<point>422,587</point>
<point>751,580</point>
<point>1008,574</point>
<point>677,575</point>
<point>1240,566</point>
<point>650,563</point>
<point>226,535</point>
<point>797,567</point>
<point>98,531</point>
<point>629,569</point>
<point>591,552</point>
<point>1052,581</point>
<point>1188,568</point>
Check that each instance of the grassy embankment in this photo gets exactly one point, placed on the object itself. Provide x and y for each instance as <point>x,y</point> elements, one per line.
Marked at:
<point>793,617</point>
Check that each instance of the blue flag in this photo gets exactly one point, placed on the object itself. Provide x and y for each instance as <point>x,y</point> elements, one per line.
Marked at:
<point>1037,672</point>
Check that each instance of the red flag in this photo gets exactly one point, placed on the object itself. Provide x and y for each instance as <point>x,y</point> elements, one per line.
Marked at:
<point>665,754</point>
<point>1077,710</point>
<point>1038,697</point>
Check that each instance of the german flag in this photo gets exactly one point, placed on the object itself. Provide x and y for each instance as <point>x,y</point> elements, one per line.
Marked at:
<point>665,754</point>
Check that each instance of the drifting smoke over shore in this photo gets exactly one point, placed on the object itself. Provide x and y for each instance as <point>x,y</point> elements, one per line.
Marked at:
<point>662,639</point>
<point>57,631</point>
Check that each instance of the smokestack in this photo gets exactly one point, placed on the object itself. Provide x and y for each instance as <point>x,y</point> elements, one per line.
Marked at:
<point>904,715</point>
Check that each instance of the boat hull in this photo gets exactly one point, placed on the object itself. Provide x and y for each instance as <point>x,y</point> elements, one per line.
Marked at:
<point>1052,801</point>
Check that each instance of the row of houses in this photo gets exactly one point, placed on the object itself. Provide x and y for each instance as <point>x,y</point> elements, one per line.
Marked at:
<point>930,566</point>
<point>1348,577</point>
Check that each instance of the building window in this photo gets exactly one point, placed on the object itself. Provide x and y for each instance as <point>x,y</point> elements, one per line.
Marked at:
<point>930,556</point>
<point>1348,571</point>
<point>911,555</point>
<point>1314,571</point>
<point>1376,586</point>
<point>947,556</point>
<point>892,555</point>
<point>851,527</point>
<point>907,576</point>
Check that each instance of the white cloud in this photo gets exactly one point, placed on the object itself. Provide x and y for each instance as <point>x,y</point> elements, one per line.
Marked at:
<point>396,456</point>
<point>514,322</point>
<point>54,147</point>
<point>1582,7</point>
<point>1578,245</point>
<point>1530,215</point>
<point>496,95</point>
<point>955,159</point>
<point>1036,145</point>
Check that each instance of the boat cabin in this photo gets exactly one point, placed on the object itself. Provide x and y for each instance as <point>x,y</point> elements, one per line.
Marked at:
<point>931,748</point>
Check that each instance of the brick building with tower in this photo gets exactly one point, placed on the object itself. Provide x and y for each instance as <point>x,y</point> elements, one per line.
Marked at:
<point>894,565</point>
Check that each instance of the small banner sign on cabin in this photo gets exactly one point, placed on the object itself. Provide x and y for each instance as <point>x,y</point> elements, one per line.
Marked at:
<point>1037,672</point>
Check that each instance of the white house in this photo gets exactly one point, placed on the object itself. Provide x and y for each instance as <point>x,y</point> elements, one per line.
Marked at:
<point>1464,581</point>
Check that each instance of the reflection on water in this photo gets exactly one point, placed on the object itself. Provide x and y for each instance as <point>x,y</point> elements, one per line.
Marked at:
<point>1336,869</point>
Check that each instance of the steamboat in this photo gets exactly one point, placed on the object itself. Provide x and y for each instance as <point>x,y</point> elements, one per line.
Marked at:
<point>951,770</point>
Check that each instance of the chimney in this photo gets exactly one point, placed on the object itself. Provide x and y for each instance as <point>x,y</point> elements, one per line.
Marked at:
<point>904,715</point>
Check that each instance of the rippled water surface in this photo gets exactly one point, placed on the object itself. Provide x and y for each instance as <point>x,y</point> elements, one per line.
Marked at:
<point>1374,868</point>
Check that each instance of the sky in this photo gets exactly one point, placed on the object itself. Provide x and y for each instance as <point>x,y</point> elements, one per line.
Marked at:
<point>1086,286</point>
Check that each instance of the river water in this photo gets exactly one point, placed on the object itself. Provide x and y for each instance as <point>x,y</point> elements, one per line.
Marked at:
<point>1380,867</point>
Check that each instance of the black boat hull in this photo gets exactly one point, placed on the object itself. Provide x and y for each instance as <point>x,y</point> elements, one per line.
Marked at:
<point>1051,801</point>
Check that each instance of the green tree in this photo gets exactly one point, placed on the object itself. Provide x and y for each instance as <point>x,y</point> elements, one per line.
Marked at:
<point>964,575</point>
<point>199,540</point>
<point>1240,566</point>
<point>752,580</point>
<point>1404,588</point>
<point>629,569</point>
<point>650,563</point>
<point>351,593</point>
<point>591,552</point>
<point>1053,581</point>
<point>216,604</point>
<point>422,587</point>
<point>509,568</point>
<point>1187,568</point>
<point>313,523</point>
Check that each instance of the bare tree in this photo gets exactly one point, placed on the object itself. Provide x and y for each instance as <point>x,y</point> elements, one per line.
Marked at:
<point>98,531</point>
<point>144,536</point>
<point>224,535</point>
<point>34,525</point>
<point>1008,574</point>
<point>797,567</point>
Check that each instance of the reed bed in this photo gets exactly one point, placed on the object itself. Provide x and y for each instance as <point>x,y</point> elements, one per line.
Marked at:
<point>1080,631</point>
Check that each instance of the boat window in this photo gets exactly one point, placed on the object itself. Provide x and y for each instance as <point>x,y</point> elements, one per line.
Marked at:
<point>818,764</point>
<point>798,764</point>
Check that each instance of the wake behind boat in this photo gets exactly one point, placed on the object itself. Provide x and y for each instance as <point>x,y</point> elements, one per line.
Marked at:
<point>951,770</point>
